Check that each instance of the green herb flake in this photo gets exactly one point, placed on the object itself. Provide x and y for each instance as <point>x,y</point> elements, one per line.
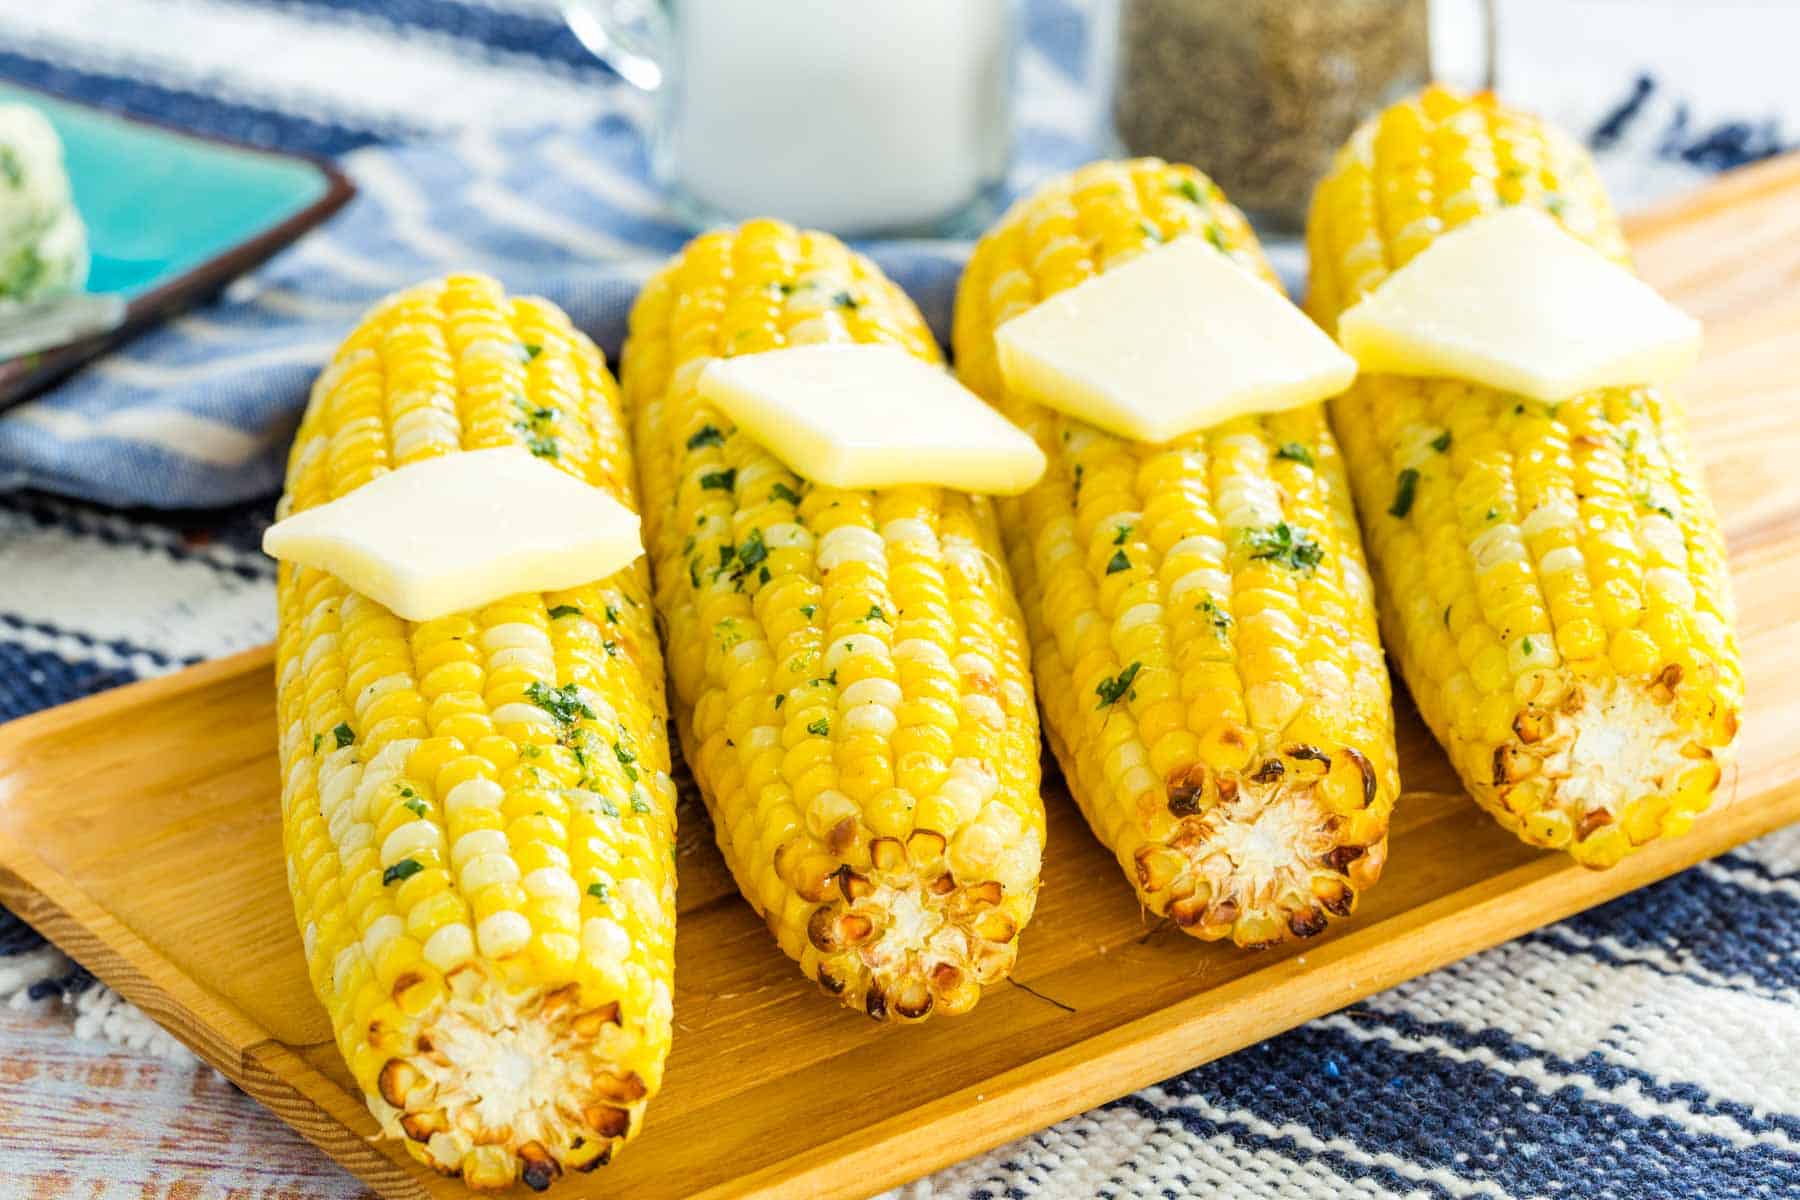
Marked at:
<point>780,699</point>
<point>820,726</point>
<point>530,350</point>
<point>415,806</point>
<point>563,703</point>
<point>1441,442</point>
<point>807,610</point>
<point>1292,548</point>
<point>612,615</point>
<point>1188,188</point>
<point>1221,620</point>
<point>1150,231</point>
<point>781,491</point>
<point>1123,535</point>
<point>762,575</point>
<point>1295,452</point>
<point>722,481</point>
<point>343,735</point>
<point>597,891</point>
<point>317,738</point>
<point>611,648</point>
<point>1525,645</point>
<point>1558,206</point>
<point>639,805</point>
<point>874,613</point>
<point>1110,690</point>
<point>1118,562</point>
<point>1406,487</point>
<point>401,871</point>
<point>564,610</point>
<point>1216,236</point>
<point>845,300</point>
<point>541,445</point>
<point>706,435</point>
<point>752,553</point>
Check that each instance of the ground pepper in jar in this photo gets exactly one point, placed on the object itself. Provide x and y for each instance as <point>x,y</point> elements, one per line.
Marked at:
<point>1260,93</point>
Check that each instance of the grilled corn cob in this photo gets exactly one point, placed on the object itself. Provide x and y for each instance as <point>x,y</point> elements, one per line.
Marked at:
<point>849,668</point>
<point>1552,575</point>
<point>478,812</point>
<point>1202,619</point>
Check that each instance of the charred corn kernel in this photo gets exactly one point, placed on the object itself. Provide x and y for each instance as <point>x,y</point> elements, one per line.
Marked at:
<point>1201,616</point>
<point>430,772</point>
<point>1576,533</point>
<point>850,670</point>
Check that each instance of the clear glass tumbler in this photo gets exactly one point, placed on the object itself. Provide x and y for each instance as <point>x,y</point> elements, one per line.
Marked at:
<point>859,118</point>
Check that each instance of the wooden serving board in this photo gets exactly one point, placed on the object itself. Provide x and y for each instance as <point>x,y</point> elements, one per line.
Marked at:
<point>138,830</point>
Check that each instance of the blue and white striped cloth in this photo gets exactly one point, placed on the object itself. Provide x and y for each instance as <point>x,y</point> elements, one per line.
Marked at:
<point>1641,1051</point>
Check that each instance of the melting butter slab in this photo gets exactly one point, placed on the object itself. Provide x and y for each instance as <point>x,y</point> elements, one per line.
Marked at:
<point>1176,340</point>
<point>1514,301</point>
<point>458,532</point>
<point>869,416</point>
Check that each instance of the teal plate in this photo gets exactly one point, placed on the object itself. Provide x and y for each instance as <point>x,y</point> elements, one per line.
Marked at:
<point>172,217</point>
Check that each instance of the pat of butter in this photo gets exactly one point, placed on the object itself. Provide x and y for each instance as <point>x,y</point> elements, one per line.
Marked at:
<point>454,533</point>
<point>1176,340</point>
<point>870,416</point>
<point>1514,301</point>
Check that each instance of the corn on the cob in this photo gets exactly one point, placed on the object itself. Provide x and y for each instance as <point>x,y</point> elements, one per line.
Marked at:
<point>477,810</point>
<point>1202,619</point>
<point>849,669</point>
<point>1552,575</point>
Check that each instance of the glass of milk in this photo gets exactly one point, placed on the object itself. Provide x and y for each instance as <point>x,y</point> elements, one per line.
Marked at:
<point>858,116</point>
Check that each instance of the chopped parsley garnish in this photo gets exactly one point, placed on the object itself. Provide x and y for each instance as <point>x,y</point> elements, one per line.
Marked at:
<point>1216,236</point>
<point>1118,562</point>
<point>722,481</point>
<point>1293,548</point>
<point>563,703</point>
<point>846,300</point>
<point>564,610</point>
<point>751,554</point>
<point>819,726</point>
<point>762,575</point>
<point>317,738</point>
<point>726,554</point>
<point>1441,442</point>
<point>1655,506</point>
<point>1221,620</point>
<point>694,571</point>
<point>626,758</point>
<point>807,610</point>
<point>1295,452</point>
<point>1188,188</point>
<point>531,350</point>
<point>1556,204</point>
<point>639,804</point>
<point>874,613</point>
<point>1150,231</point>
<point>782,491</point>
<point>1109,690</point>
<point>597,891</point>
<point>1124,532</point>
<point>541,445</point>
<point>1406,486</point>
<point>612,614</point>
<point>1525,645</point>
<point>403,870</point>
<point>780,699</point>
<point>415,806</point>
<point>343,735</point>
<point>611,648</point>
<point>706,435</point>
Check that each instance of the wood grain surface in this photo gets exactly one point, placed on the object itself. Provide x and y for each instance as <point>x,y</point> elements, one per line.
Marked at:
<point>139,830</point>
